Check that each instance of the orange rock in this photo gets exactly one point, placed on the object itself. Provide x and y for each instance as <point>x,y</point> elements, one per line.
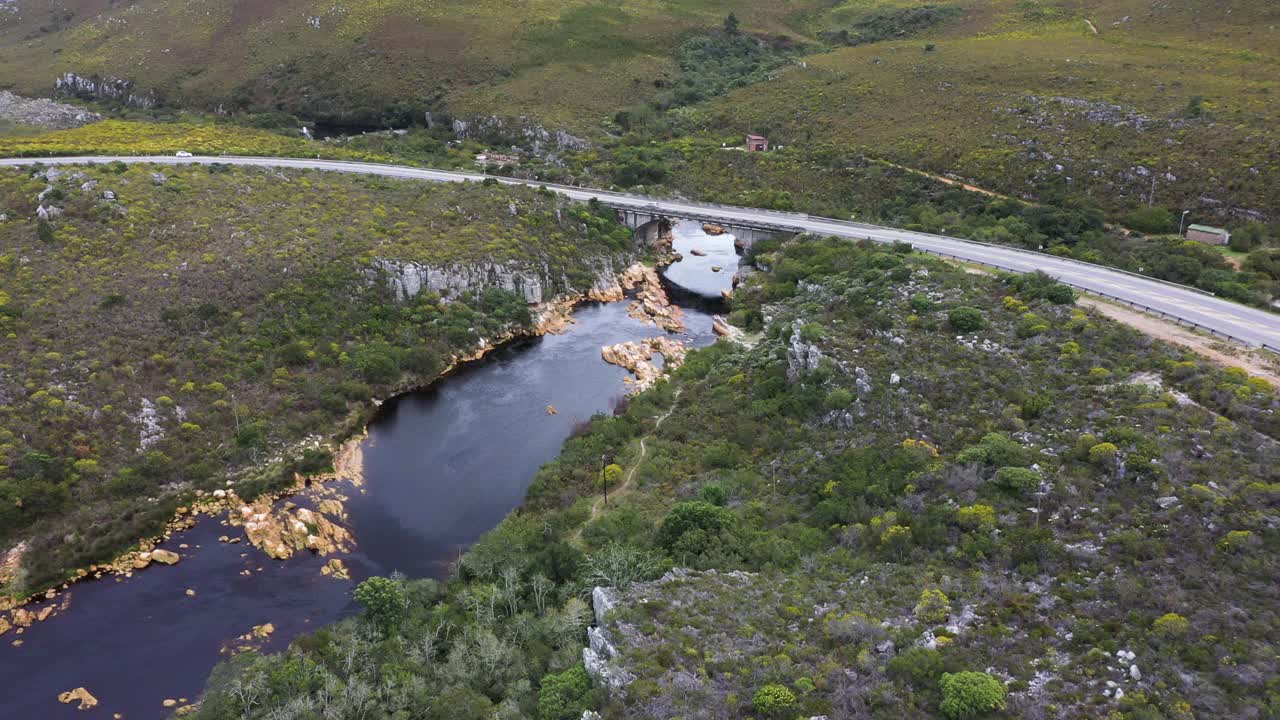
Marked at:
<point>86,700</point>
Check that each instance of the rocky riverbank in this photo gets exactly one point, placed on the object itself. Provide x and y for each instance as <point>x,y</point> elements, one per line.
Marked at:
<point>651,303</point>
<point>281,530</point>
<point>637,358</point>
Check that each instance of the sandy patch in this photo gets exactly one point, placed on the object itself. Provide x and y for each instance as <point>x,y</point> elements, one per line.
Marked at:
<point>1259,363</point>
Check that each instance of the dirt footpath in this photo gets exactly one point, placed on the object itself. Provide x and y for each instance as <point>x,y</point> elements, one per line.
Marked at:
<point>1260,363</point>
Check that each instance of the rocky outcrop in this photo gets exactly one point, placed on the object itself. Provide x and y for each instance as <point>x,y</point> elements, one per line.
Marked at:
<point>337,569</point>
<point>12,562</point>
<point>282,532</point>
<point>802,356</point>
<point>80,695</point>
<point>603,600</point>
<point>520,131</point>
<point>713,229</point>
<point>636,357</point>
<point>651,303</point>
<point>408,279</point>
<point>721,327</point>
<point>600,654</point>
<point>44,113</point>
<point>96,87</point>
<point>168,557</point>
<point>534,283</point>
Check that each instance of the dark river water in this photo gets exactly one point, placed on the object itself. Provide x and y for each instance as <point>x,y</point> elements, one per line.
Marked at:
<point>442,466</point>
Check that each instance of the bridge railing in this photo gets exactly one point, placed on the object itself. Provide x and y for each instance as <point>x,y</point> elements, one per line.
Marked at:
<point>1137,305</point>
<point>656,202</point>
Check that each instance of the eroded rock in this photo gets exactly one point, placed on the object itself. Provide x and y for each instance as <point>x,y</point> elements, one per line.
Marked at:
<point>168,557</point>
<point>83,696</point>
<point>636,357</point>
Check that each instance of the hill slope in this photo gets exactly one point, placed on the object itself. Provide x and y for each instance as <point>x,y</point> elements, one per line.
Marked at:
<point>913,472</point>
<point>170,328</point>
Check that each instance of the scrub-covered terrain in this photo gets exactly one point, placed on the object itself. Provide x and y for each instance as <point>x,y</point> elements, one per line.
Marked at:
<point>915,492</point>
<point>167,329</point>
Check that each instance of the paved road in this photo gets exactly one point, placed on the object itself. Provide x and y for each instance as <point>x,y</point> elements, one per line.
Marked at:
<point>1245,324</point>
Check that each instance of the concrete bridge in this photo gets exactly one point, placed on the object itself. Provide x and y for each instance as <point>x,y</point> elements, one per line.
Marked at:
<point>651,223</point>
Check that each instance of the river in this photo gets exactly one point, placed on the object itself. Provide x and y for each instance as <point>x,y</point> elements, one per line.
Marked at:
<point>441,466</point>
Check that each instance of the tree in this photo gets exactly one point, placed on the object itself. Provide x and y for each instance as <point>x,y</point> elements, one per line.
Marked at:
<point>1151,220</point>
<point>773,700</point>
<point>966,319</point>
<point>692,526</point>
<point>970,694</point>
<point>731,24</point>
<point>897,540</point>
<point>563,695</point>
<point>384,602</point>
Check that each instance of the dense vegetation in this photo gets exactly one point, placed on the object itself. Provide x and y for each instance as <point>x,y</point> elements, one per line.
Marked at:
<point>169,328</point>
<point>920,493</point>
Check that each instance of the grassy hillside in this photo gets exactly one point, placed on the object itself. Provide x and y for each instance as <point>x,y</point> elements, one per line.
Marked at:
<point>1107,104</point>
<point>570,63</point>
<point>168,328</point>
<point>1024,99</point>
<point>920,494</point>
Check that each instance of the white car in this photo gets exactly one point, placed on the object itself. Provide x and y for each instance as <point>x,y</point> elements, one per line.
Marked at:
<point>183,153</point>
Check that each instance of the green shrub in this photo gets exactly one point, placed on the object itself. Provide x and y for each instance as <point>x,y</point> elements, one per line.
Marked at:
<point>1060,294</point>
<point>693,527</point>
<point>714,493</point>
<point>976,516</point>
<point>966,319</point>
<point>1171,625</point>
<point>1017,480</point>
<point>934,606</point>
<point>920,303</point>
<point>839,399</point>
<point>1103,452</point>
<point>995,449</point>
<point>970,694</point>
<point>917,666</point>
<point>563,695</point>
<point>773,700</point>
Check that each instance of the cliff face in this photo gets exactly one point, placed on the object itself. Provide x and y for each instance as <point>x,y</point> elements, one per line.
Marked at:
<point>94,87</point>
<point>535,283</point>
<point>522,131</point>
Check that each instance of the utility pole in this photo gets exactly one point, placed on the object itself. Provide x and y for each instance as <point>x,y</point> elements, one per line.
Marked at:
<point>1182,221</point>
<point>604,481</point>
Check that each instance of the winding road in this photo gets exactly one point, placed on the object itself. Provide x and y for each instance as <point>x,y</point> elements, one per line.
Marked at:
<point>1244,324</point>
